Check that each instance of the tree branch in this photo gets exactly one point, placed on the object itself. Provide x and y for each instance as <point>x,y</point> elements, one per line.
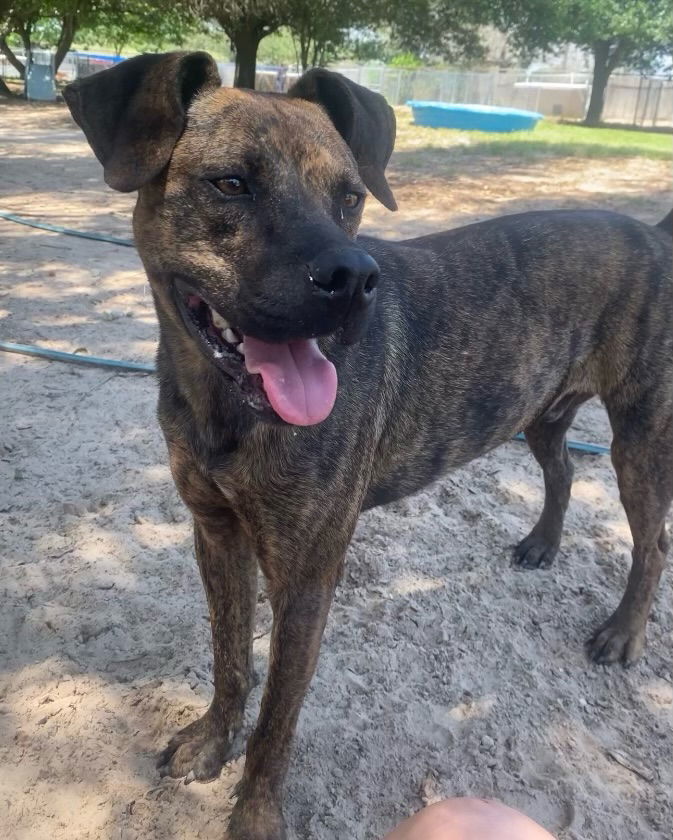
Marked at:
<point>66,37</point>
<point>5,91</point>
<point>13,59</point>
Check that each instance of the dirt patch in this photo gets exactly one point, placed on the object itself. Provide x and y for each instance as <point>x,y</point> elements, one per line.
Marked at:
<point>443,670</point>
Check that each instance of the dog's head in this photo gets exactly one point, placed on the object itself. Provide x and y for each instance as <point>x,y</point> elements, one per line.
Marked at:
<point>248,209</point>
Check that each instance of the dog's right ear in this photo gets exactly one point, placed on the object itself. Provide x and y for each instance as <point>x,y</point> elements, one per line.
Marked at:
<point>134,113</point>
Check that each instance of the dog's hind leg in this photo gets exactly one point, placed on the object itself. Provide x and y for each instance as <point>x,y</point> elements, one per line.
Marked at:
<point>546,438</point>
<point>642,453</point>
<point>229,573</point>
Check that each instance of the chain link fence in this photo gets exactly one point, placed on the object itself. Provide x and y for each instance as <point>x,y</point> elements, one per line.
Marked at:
<point>630,99</point>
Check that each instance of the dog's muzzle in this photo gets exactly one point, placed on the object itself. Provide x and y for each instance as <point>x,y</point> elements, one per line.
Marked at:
<point>289,376</point>
<point>293,379</point>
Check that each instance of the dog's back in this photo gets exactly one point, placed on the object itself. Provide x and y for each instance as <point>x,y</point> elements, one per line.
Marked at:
<point>497,321</point>
<point>666,224</point>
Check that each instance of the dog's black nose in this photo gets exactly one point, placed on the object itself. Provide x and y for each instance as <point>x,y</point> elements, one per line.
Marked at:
<point>344,271</point>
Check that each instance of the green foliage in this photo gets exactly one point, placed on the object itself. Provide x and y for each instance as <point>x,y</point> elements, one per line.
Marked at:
<point>366,44</point>
<point>406,60</point>
<point>206,35</point>
<point>246,23</point>
<point>15,13</point>
<point>448,29</point>
<point>635,29</point>
<point>320,27</point>
<point>278,48</point>
<point>324,30</point>
<point>46,23</point>
<point>139,25</point>
<point>236,17</point>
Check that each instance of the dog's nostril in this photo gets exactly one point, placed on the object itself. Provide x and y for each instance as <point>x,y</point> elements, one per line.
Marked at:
<point>340,278</point>
<point>332,279</point>
<point>371,282</point>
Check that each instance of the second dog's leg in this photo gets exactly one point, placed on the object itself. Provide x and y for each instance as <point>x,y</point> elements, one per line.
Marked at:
<point>547,441</point>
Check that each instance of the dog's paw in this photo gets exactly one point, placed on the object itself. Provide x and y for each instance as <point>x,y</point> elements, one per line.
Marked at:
<point>534,552</point>
<point>198,752</point>
<point>615,641</point>
<point>256,819</point>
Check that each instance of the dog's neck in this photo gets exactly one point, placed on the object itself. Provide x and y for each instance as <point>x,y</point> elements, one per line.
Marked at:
<point>218,423</point>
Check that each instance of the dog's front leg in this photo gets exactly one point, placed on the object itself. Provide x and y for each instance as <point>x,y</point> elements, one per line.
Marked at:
<point>300,602</point>
<point>229,574</point>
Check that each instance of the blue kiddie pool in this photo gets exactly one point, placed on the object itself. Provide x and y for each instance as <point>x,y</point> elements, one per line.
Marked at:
<point>472,117</point>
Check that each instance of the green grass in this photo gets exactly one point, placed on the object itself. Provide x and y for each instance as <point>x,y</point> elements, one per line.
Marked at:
<point>548,139</point>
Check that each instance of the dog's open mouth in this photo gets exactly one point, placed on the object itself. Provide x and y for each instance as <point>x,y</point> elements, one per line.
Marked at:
<point>294,378</point>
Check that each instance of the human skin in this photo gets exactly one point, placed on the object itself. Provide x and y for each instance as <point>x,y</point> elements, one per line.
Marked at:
<point>469,819</point>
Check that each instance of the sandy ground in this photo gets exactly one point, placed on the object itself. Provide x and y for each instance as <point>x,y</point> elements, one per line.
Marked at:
<point>443,670</point>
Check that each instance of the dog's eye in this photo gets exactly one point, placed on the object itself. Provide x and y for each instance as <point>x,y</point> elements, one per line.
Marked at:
<point>231,185</point>
<point>351,200</point>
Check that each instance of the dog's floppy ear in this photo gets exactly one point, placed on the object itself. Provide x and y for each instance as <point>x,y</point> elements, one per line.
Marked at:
<point>134,113</point>
<point>364,120</point>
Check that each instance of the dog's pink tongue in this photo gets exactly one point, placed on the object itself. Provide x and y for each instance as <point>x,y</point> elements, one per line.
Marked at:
<point>298,380</point>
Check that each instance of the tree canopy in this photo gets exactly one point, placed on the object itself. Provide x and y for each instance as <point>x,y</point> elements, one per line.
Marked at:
<point>245,22</point>
<point>619,33</point>
<point>51,23</point>
<point>120,24</point>
<point>446,28</point>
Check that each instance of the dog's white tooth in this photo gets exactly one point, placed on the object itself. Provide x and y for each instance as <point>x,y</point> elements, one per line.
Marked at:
<point>219,321</point>
<point>230,336</point>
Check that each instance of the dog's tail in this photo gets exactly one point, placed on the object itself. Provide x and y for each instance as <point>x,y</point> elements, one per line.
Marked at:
<point>666,224</point>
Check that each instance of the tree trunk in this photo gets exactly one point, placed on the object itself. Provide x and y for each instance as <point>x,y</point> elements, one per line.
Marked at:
<point>119,44</point>
<point>605,61</point>
<point>25,33</point>
<point>16,63</point>
<point>246,44</point>
<point>304,47</point>
<point>65,39</point>
<point>5,91</point>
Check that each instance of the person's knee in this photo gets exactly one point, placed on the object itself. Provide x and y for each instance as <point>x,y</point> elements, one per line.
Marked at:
<point>469,818</point>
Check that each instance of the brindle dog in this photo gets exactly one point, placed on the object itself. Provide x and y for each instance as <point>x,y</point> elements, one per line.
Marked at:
<point>431,352</point>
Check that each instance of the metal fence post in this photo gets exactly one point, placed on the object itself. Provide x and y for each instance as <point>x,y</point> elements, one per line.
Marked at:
<point>398,89</point>
<point>635,112</point>
<point>655,115</point>
<point>647,102</point>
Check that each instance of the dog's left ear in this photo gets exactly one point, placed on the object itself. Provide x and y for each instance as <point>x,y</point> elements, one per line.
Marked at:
<point>364,120</point>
